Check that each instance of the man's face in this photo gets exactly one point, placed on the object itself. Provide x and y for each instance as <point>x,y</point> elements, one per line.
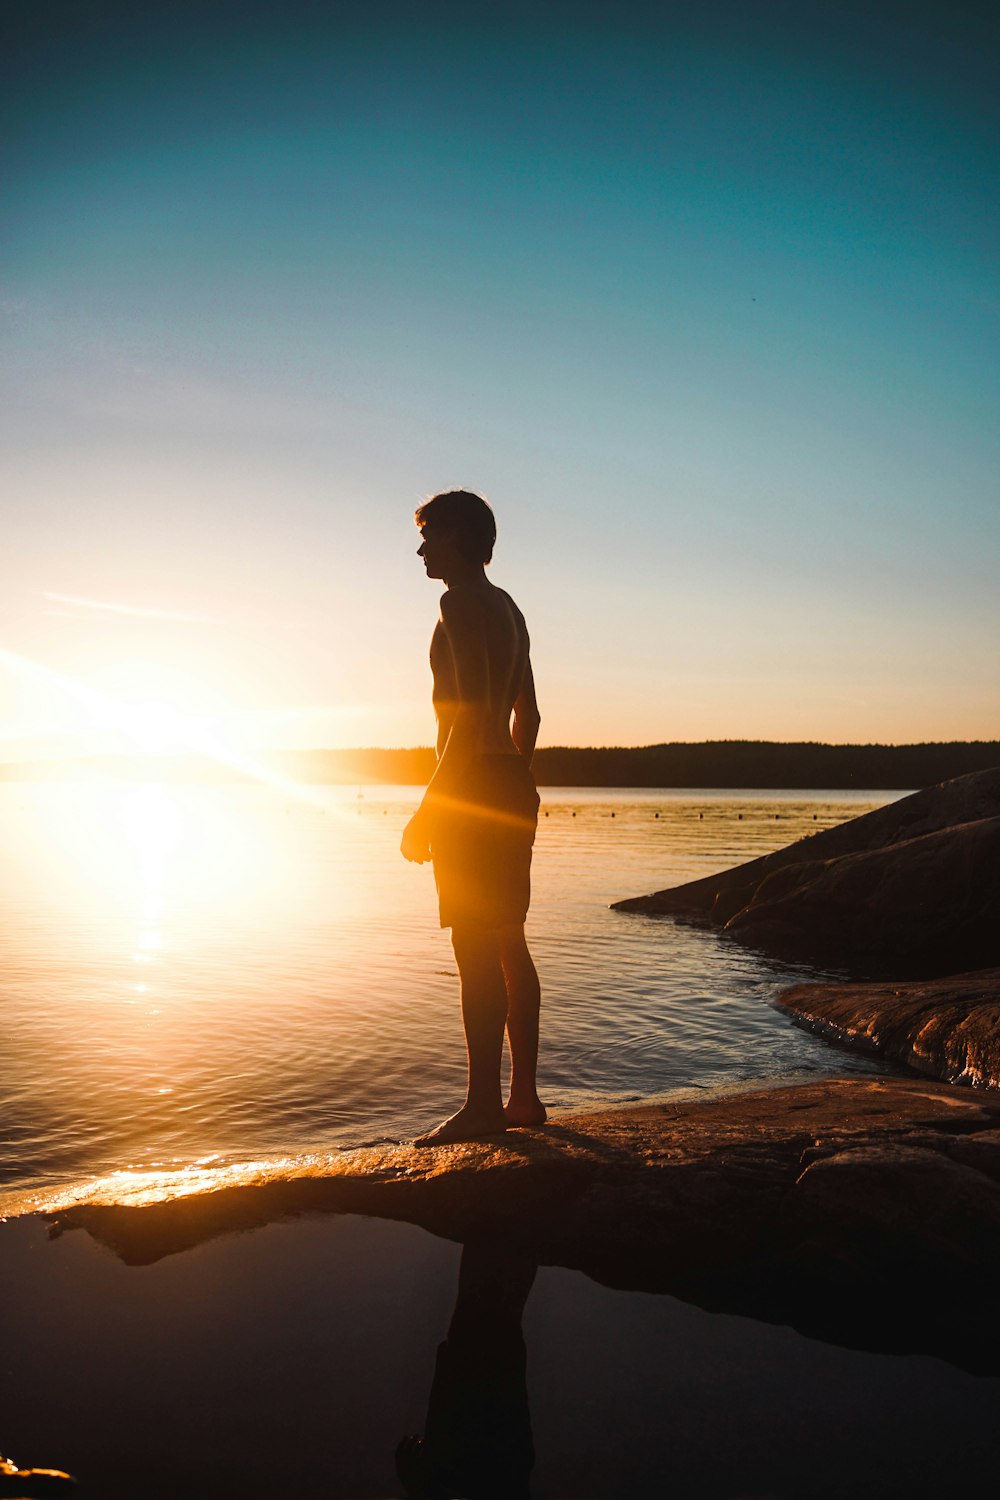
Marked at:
<point>437,550</point>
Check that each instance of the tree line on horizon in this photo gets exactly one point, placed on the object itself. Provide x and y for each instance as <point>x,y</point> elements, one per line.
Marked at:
<point>767,764</point>
<point>711,763</point>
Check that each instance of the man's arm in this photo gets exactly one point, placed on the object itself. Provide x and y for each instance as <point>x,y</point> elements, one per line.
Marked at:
<point>524,730</point>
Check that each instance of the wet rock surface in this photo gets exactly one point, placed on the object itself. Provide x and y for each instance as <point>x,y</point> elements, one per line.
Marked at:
<point>908,891</point>
<point>948,1028</point>
<point>831,1206</point>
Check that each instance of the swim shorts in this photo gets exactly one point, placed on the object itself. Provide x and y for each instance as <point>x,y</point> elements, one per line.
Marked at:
<point>481,842</point>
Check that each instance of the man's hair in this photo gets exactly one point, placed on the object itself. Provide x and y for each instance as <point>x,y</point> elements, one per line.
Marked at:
<point>467,517</point>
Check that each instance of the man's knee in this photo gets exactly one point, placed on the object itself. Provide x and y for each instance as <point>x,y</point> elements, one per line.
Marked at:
<point>511,944</point>
<point>473,944</point>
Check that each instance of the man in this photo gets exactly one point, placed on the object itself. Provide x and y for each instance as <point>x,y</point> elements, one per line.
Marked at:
<point>477,818</point>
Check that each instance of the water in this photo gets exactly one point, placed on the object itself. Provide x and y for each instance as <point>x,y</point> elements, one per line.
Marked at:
<point>292,1360</point>
<point>200,975</point>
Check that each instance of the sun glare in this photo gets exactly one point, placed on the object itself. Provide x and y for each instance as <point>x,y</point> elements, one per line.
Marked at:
<point>159,727</point>
<point>131,722</point>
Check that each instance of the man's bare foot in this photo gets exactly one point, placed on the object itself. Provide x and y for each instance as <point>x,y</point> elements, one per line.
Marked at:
<point>467,1125</point>
<point>530,1111</point>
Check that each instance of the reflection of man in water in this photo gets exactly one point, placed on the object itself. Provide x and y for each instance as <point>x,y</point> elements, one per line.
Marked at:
<point>477,1441</point>
<point>478,815</point>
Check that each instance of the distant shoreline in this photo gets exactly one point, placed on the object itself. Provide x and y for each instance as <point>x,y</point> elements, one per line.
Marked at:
<point>722,764</point>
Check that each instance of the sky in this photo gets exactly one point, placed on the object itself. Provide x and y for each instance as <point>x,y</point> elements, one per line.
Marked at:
<point>702,298</point>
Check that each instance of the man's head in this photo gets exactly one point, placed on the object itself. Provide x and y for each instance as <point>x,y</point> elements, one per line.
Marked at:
<point>458,521</point>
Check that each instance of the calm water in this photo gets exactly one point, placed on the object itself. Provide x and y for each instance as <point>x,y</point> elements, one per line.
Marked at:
<point>203,975</point>
<point>292,1360</point>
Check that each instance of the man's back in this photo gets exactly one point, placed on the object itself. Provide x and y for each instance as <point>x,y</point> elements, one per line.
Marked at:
<point>482,627</point>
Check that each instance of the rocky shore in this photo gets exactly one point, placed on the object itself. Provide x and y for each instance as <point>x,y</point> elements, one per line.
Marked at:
<point>909,891</point>
<point>908,895</point>
<point>909,888</point>
<point>853,1209</point>
<point>947,1028</point>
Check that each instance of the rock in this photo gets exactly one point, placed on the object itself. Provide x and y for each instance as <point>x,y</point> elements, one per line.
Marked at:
<point>763,1204</point>
<point>32,1484</point>
<point>925,906</point>
<point>948,1028</point>
<point>875,1209</point>
<point>910,890</point>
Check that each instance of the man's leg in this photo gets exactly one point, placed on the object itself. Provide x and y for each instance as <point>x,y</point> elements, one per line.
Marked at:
<point>523,1004</point>
<point>484,1013</point>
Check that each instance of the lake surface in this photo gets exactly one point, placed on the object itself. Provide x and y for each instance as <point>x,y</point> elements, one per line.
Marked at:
<point>193,976</point>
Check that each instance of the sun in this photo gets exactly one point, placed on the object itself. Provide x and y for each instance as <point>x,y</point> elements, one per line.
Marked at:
<point>153,709</point>
<point>159,727</point>
<point>133,707</point>
<point>123,718</point>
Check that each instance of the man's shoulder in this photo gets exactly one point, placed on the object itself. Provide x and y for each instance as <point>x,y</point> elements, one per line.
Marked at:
<point>468,605</point>
<point>458,598</point>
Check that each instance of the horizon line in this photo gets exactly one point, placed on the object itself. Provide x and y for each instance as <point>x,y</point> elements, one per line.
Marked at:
<point>344,750</point>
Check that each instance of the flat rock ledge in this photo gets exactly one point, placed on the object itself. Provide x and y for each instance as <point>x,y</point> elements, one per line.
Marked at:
<point>947,1028</point>
<point>864,1211</point>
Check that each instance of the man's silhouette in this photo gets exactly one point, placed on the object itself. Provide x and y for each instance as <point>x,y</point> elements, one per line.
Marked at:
<point>477,818</point>
<point>477,1440</point>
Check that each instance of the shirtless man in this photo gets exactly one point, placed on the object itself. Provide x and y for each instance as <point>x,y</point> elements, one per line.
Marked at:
<point>477,818</point>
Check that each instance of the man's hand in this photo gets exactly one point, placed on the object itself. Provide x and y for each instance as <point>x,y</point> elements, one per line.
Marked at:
<point>415,843</point>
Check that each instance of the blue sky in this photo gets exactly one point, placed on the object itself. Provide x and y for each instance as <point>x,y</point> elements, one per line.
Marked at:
<point>706,304</point>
